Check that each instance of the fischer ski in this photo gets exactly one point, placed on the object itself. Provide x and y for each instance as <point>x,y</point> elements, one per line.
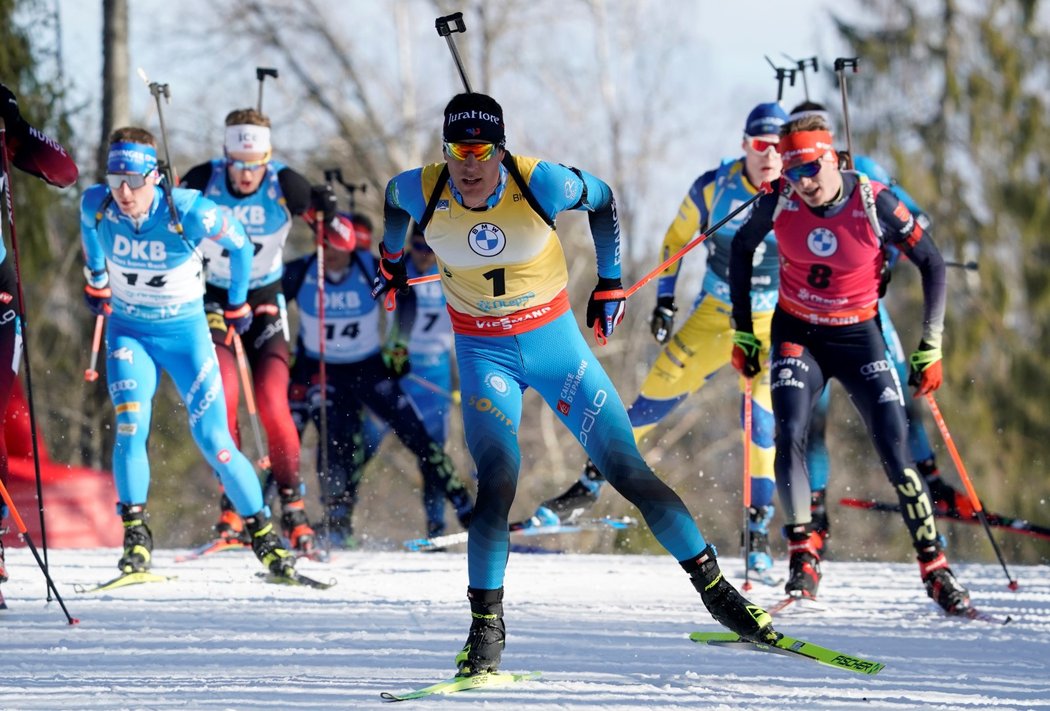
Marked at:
<point>123,580</point>
<point>526,528</point>
<point>792,647</point>
<point>216,545</point>
<point>462,683</point>
<point>1007,523</point>
<point>296,578</point>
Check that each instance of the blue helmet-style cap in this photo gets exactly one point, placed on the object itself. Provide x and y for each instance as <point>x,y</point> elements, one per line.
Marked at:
<point>765,120</point>
<point>130,157</point>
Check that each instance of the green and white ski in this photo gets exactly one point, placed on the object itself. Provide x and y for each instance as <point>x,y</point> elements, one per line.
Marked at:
<point>793,647</point>
<point>462,683</point>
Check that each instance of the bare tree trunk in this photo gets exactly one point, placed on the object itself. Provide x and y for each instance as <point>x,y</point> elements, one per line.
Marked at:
<point>96,437</point>
<point>116,105</point>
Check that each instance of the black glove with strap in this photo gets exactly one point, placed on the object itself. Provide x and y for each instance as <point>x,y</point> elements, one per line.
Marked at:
<point>606,308</point>
<point>661,323</point>
<point>13,121</point>
<point>324,202</point>
<point>392,273</point>
<point>238,317</point>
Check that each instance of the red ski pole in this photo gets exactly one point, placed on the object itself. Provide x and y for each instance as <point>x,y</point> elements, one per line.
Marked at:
<point>970,491</point>
<point>91,374</point>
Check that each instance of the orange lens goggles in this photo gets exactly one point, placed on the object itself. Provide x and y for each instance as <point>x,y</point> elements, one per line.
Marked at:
<point>760,146</point>
<point>480,151</point>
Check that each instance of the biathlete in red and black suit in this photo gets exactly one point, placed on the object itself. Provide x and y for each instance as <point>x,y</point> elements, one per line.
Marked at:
<point>832,228</point>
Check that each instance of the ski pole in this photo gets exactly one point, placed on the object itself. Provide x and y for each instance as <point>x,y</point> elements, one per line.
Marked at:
<point>452,396</point>
<point>261,73</point>
<point>20,524</point>
<point>91,374</point>
<point>446,27</point>
<point>841,64</point>
<point>5,175</point>
<point>747,481</point>
<point>969,266</point>
<point>249,397</point>
<point>970,491</point>
<point>763,189</point>
<point>322,371</point>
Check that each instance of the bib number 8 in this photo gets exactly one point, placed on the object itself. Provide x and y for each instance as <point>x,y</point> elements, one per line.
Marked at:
<point>819,276</point>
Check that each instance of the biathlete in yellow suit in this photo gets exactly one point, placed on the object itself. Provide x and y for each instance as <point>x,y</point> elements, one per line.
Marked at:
<point>488,217</point>
<point>703,346</point>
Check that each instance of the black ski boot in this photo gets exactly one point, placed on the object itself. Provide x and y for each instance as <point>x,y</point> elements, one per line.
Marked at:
<point>267,545</point>
<point>941,584</point>
<point>579,497</point>
<point>804,549</point>
<point>725,603</point>
<point>138,540</point>
<point>484,646</point>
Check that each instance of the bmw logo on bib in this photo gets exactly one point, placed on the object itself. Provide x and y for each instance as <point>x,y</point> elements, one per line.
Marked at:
<point>822,242</point>
<point>487,239</point>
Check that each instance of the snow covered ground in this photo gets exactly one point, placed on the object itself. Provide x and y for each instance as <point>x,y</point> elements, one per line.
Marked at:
<point>607,632</point>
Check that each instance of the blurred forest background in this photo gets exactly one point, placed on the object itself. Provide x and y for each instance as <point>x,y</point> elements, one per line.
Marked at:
<point>951,97</point>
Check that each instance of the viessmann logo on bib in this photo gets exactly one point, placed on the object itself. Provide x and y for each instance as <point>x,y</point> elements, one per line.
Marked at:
<point>486,239</point>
